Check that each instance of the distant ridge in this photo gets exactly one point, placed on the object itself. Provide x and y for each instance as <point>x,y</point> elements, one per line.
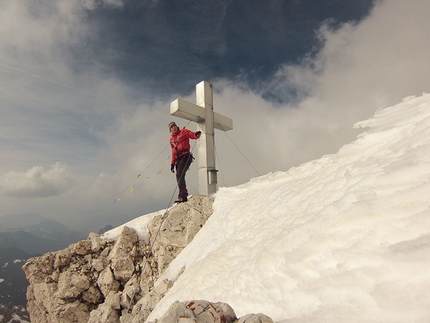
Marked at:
<point>17,221</point>
<point>23,236</point>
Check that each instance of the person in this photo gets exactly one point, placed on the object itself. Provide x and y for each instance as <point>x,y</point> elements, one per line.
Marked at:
<point>181,156</point>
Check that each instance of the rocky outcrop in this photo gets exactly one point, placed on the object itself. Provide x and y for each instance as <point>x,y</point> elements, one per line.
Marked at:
<point>202,311</point>
<point>111,281</point>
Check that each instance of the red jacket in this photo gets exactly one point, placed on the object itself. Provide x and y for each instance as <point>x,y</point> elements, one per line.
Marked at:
<point>180,143</point>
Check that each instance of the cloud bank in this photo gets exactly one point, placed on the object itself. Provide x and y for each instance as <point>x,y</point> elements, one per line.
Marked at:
<point>109,137</point>
<point>38,182</point>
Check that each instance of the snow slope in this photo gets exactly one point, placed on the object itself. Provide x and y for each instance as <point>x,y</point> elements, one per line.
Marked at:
<point>345,238</point>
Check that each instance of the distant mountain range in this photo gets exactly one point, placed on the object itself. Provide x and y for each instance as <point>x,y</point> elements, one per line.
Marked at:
<point>86,222</point>
<point>13,284</point>
<point>17,221</point>
<point>23,236</point>
<point>13,314</point>
<point>27,235</point>
<point>35,238</point>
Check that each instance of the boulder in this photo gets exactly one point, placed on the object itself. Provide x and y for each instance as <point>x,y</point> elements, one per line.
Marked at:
<point>199,311</point>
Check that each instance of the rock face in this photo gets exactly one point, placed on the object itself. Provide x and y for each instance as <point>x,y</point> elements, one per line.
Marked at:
<point>111,281</point>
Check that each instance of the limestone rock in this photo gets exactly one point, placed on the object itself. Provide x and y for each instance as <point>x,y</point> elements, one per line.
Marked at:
<point>131,291</point>
<point>123,267</point>
<point>71,285</point>
<point>121,255</point>
<point>103,280</point>
<point>107,282</point>
<point>62,258</point>
<point>98,264</point>
<point>40,267</point>
<point>70,313</point>
<point>92,295</point>
<point>124,244</point>
<point>104,313</point>
<point>82,247</point>
<point>96,241</point>
<point>255,318</point>
<point>170,234</point>
<point>199,311</point>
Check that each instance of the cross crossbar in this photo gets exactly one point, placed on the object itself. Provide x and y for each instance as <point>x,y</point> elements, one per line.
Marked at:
<point>207,120</point>
<point>190,111</point>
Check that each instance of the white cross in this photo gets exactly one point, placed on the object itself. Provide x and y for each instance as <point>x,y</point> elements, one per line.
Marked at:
<point>203,113</point>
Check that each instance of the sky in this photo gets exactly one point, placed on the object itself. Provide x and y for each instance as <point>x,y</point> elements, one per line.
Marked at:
<point>342,238</point>
<point>86,85</point>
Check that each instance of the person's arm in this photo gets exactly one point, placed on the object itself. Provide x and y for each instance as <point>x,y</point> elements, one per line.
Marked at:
<point>192,135</point>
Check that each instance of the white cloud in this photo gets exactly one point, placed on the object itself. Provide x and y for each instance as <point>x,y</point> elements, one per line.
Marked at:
<point>38,182</point>
<point>359,68</point>
<point>379,60</point>
<point>35,32</point>
<point>93,4</point>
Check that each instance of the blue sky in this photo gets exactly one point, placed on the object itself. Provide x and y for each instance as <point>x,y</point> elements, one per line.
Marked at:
<point>85,89</point>
<point>172,45</point>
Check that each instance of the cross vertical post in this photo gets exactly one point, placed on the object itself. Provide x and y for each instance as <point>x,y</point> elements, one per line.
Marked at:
<point>207,120</point>
<point>206,144</point>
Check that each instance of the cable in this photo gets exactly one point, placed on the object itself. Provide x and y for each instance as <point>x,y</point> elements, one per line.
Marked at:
<point>176,186</point>
<point>238,149</point>
<point>163,218</point>
<point>219,162</point>
<point>138,175</point>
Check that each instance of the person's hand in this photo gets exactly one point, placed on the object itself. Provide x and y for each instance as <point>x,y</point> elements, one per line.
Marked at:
<point>198,134</point>
<point>172,168</point>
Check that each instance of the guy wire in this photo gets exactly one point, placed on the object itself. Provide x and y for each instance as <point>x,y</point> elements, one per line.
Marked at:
<point>141,173</point>
<point>238,149</point>
<point>151,244</point>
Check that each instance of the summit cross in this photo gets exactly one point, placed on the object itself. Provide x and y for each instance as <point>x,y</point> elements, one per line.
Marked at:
<point>202,112</point>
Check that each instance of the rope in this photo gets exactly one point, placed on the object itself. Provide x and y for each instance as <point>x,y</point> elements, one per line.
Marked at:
<point>151,244</point>
<point>171,198</point>
<point>219,162</point>
<point>239,149</point>
<point>140,174</point>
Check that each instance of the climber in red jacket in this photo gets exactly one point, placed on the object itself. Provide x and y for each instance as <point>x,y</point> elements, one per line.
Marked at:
<point>181,156</point>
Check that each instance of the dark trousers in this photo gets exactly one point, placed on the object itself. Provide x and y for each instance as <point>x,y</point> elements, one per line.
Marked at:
<point>182,165</point>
